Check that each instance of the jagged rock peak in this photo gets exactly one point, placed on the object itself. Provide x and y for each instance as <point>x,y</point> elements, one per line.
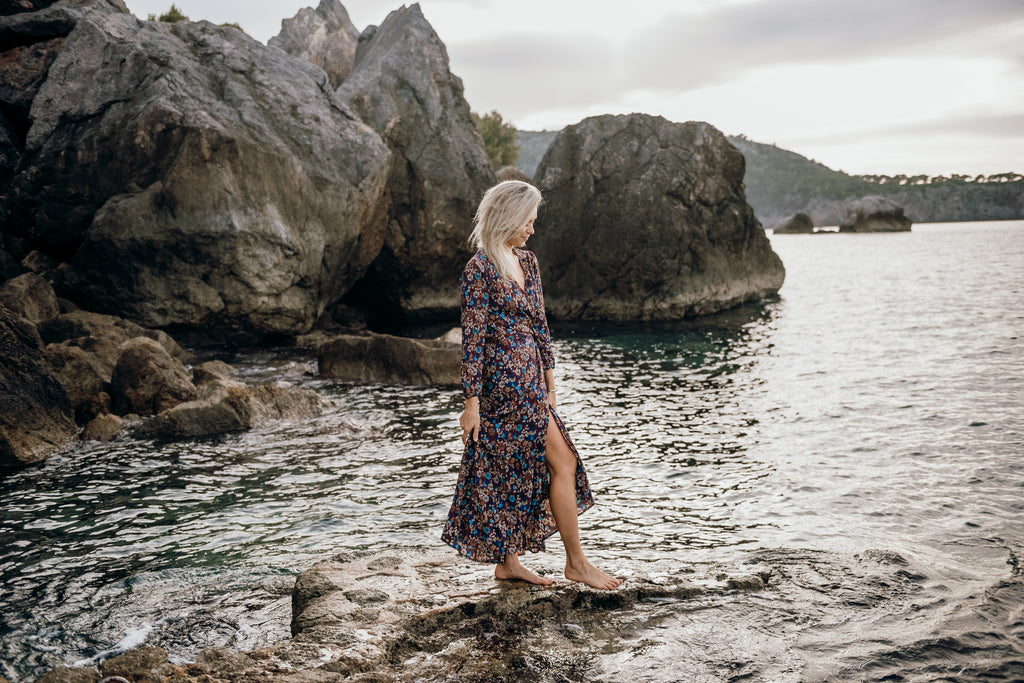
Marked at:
<point>325,36</point>
<point>403,87</point>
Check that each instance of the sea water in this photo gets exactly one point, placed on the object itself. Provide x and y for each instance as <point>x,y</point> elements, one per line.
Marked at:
<point>863,433</point>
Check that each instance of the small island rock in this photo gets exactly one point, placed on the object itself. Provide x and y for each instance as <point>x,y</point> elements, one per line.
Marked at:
<point>797,224</point>
<point>874,214</point>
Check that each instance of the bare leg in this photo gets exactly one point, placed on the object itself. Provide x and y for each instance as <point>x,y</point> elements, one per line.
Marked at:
<point>562,466</point>
<point>512,569</point>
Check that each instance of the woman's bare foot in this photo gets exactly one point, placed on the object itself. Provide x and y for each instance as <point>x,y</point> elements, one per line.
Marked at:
<point>512,569</point>
<point>592,576</point>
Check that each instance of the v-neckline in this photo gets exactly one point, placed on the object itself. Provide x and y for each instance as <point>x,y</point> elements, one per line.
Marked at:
<point>520,287</point>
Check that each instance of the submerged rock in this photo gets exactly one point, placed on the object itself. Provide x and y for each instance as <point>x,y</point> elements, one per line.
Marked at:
<point>797,224</point>
<point>324,36</point>
<point>388,359</point>
<point>403,88</point>
<point>103,428</point>
<point>224,405</point>
<point>35,412</point>
<point>232,194</point>
<point>645,219</point>
<point>874,214</point>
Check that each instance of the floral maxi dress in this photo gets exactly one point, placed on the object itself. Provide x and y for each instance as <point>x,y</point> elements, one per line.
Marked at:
<point>501,501</point>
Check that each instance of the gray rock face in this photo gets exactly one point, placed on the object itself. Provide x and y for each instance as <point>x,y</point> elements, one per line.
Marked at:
<point>797,224</point>
<point>324,36</point>
<point>30,296</point>
<point>645,219</point>
<point>146,380</point>
<point>874,214</point>
<point>35,413</point>
<point>387,359</point>
<point>217,174</point>
<point>403,88</point>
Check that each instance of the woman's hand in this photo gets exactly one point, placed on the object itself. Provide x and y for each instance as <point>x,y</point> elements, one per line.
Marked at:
<point>470,420</point>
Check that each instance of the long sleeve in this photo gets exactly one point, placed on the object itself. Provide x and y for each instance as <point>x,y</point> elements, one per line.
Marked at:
<point>540,322</point>
<point>475,301</point>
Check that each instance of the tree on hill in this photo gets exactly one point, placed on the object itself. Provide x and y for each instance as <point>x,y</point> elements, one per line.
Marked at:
<point>499,139</point>
<point>171,16</point>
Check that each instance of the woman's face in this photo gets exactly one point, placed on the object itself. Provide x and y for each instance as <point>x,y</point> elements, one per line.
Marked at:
<point>520,236</point>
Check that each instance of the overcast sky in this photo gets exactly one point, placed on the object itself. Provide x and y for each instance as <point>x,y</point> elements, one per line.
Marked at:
<point>866,86</point>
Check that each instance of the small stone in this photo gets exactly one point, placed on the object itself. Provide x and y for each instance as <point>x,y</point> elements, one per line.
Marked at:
<point>65,674</point>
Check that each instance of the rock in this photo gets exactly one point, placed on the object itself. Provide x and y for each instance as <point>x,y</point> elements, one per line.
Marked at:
<point>146,380</point>
<point>65,674</point>
<point>403,88</point>
<point>31,297</point>
<point>797,224</point>
<point>98,404</point>
<point>645,219</point>
<point>103,428</point>
<point>222,660</point>
<point>78,372</point>
<point>224,405</point>
<point>35,412</point>
<point>102,336</point>
<point>874,214</point>
<point>387,359</point>
<point>143,664</point>
<point>212,370</point>
<point>234,196</point>
<point>324,36</point>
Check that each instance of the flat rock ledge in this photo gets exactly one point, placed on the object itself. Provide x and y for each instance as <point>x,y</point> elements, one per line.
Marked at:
<point>403,615</point>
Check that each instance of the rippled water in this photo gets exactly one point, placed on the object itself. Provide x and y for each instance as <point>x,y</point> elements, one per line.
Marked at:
<point>877,404</point>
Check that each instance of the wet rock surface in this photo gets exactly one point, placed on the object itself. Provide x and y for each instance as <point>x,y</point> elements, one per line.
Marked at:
<point>388,359</point>
<point>874,214</point>
<point>645,219</point>
<point>403,88</point>
<point>36,419</point>
<point>413,615</point>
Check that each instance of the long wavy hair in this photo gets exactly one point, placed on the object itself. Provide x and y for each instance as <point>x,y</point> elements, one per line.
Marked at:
<point>503,211</point>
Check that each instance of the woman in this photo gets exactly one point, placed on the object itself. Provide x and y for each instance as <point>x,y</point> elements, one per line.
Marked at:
<point>521,477</point>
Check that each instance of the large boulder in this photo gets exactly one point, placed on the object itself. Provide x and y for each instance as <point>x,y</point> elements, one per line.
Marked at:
<point>80,373</point>
<point>324,36</point>
<point>217,173</point>
<point>30,296</point>
<point>386,359</point>
<point>645,219</point>
<point>402,86</point>
<point>874,214</point>
<point>146,380</point>
<point>797,224</point>
<point>35,413</point>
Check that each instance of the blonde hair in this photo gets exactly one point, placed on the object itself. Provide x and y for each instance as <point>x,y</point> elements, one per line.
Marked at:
<point>505,209</point>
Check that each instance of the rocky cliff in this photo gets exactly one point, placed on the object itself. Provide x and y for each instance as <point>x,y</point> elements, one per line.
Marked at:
<point>645,219</point>
<point>216,172</point>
